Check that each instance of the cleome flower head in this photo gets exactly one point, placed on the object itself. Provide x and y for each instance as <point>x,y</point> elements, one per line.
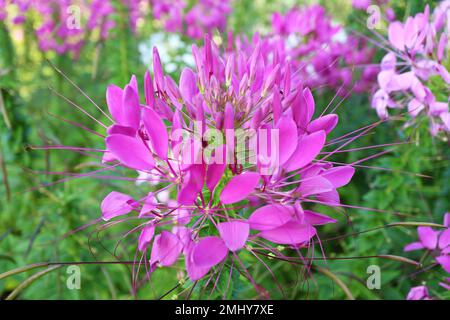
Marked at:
<point>81,19</point>
<point>414,73</point>
<point>193,20</point>
<point>235,145</point>
<point>435,241</point>
<point>322,52</point>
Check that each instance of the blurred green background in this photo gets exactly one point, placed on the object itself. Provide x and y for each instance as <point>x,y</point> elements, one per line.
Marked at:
<point>38,223</point>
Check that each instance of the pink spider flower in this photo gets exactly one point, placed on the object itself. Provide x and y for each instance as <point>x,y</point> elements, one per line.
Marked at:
<point>214,184</point>
<point>101,17</point>
<point>203,17</point>
<point>418,293</point>
<point>438,243</point>
<point>421,292</point>
<point>321,50</point>
<point>64,25</point>
<point>435,241</point>
<point>386,10</point>
<point>421,44</point>
<point>21,7</point>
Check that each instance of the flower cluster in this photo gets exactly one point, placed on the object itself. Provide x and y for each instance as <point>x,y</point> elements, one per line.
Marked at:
<point>438,244</point>
<point>322,52</point>
<point>418,293</point>
<point>235,145</point>
<point>63,25</point>
<point>383,4</point>
<point>420,80</point>
<point>54,34</point>
<point>204,16</point>
<point>21,7</point>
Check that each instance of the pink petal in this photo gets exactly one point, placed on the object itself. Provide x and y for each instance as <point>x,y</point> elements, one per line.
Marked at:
<point>291,232</point>
<point>234,234</point>
<point>176,136</point>
<point>185,236</point>
<point>389,61</point>
<point>339,176</point>
<point>315,218</point>
<point>415,107</point>
<point>396,35</point>
<point>411,32</point>
<point>116,204</point>
<point>228,122</point>
<point>276,105</point>
<point>150,203</point>
<point>314,185</point>
<point>310,105</point>
<point>166,249</point>
<point>131,108</point>
<point>417,293</point>
<point>119,129</point>
<point>148,90</point>
<point>188,84</point>
<point>401,82</point>
<point>444,239</point>
<point>287,138</point>
<point>108,157</point>
<point>133,83</point>
<point>447,220</point>
<point>216,167</point>
<point>187,194</point>
<point>413,246</point>
<point>445,285</point>
<point>154,255</point>
<point>173,92</point>
<point>158,71</point>
<point>157,132</point>
<point>444,73</point>
<point>130,151</point>
<point>194,272</point>
<point>307,150</point>
<point>239,187</point>
<point>270,217</point>
<point>214,174</point>
<point>303,108</point>
<point>428,237</point>
<point>197,176</point>
<point>330,198</point>
<point>191,153</point>
<point>182,216</point>
<point>326,123</point>
<point>445,117</point>
<point>444,261</point>
<point>114,101</point>
<point>209,251</point>
<point>384,78</point>
<point>146,237</point>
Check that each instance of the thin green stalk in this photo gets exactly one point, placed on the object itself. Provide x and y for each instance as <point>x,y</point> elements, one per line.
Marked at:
<point>338,281</point>
<point>23,269</point>
<point>23,285</point>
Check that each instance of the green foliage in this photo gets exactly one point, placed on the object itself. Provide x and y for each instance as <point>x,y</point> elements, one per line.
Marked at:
<point>42,223</point>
